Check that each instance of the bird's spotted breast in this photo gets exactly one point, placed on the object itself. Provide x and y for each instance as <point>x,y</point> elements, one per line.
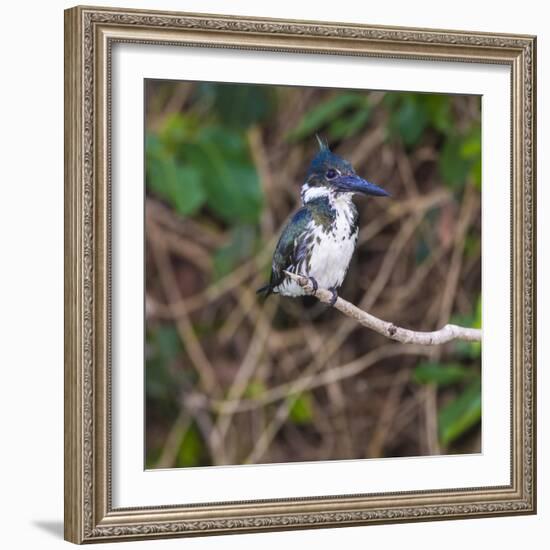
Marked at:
<point>330,258</point>
<point>319,239</point>
<point>326,248</point>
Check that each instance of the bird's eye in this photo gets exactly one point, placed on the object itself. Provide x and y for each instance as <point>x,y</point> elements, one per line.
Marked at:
<point>331,174</point>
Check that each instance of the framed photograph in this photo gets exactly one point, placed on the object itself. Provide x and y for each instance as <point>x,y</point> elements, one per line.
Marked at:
<point>300,274</point>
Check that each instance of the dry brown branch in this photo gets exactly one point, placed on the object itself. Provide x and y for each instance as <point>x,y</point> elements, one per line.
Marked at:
<point>405,292</point>
<point>469,206</point>
<point>246,307</point>
<point>183,248</point>
<point>182,308</point>
<point>173,440</point>
<point>261,161</point>
<point>311,379</point>
<point>416,205</point>
<point>406,172</point>
<point>405,336</point>
<point>195,403</point>
<point>335,392</point>
<point>185,329</point>
<point>379,283</point>
<point>247,368</point>
<point>387,415</point>
<point>372,141</point>
<point>192,229</point>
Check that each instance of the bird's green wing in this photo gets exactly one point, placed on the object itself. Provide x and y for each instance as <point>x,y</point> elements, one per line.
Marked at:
<point>290,248</point>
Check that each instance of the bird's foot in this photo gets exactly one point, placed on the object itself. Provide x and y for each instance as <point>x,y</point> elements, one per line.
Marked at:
<point>334,296</point>
<point>314,284</point>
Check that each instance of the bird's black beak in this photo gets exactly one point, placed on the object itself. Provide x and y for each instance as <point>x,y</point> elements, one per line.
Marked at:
<point>355,184</point>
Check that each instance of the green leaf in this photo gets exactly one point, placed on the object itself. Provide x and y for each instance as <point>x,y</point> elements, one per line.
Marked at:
<point>167,343</point>
<point>469,350</point>
<point>410,120</point>
<point>475,347</point>
<point>476,173</point>
<point>163,347</point>
<point>438,107</point>
<point>461,414</point>
<point>301,411</point>
<point>453,166</point>
<point>191,449</point>
<point>189,193</point>
<point>229,178</point>
<point>471,146</point>
<point>179,185</point>
<point>241,105</point>
<point>175,130</point>
<point>471,151</point>
<point>411,114</point>
<point>343,128</point>
<point>441,374</point>
<point>152,456</point>
<point>477,319</point>
<point>422,250</point>
<point>255,389</point>
<point>472,244</point>
<point>323,113</point>
<point>240,248</point>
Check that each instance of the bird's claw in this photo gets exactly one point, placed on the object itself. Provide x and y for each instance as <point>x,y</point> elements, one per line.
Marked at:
<point>314,284</point>
<point>334,296</point>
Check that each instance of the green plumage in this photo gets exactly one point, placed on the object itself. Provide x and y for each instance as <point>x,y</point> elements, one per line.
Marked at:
<point>296,240</point>
<point>320,238</point>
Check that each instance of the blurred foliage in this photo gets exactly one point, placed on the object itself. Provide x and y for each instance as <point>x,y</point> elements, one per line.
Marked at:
<point>201,160</point>
<point>343,115</point>
<point>441,374</point>
<point>242,244</point>
<point>163,346</point>
<point>254,389</point>
<point>191,451</point>
<point>301,409</point>
<point>191,167</point>
<point>202,166</point>
<point>464,410</point>
<point>238,105</point>
<point>196,160</point>
<point>461,414</point>
<point>412,114</point>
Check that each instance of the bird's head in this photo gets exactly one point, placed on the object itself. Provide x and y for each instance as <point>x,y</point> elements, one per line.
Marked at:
<point>330,175</point>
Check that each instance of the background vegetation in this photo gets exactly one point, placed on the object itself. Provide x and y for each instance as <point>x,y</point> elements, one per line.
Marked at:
<point>231,379</point>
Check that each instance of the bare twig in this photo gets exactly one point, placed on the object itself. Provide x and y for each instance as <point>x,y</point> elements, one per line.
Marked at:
<point>417,205</point>
<point>185,328</point>
<point>246,370</point>
<point>188,227</point>
<point>387,415</point>
<point>181,308</point>
<point>271,430</point>
<point>385,328</point>
<point>183,248</point>
<point>311,380</point>
<point>469,206</point>
<point>173,440</point>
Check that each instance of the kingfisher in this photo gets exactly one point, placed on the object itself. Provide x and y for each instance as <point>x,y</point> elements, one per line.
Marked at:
<point>318,241</point>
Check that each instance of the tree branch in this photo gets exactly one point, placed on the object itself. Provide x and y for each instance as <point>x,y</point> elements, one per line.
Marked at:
<point>389,330</point>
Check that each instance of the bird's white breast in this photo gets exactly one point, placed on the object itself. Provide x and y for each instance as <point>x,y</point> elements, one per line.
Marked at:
<point>332,250</point>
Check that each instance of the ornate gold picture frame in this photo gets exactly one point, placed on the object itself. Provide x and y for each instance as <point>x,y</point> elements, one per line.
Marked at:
<point>90,34</point>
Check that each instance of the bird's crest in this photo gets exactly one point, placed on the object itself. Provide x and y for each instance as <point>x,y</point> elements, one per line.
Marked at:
<point>323,145</point>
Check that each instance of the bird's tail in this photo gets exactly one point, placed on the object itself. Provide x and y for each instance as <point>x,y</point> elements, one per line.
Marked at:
<point>266,290</point>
